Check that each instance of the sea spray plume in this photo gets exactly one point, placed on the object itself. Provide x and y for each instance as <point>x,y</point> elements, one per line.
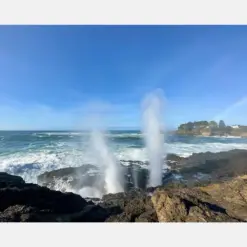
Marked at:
<point>108,164</point>
<point>153,130</point>
<point>105,159</point>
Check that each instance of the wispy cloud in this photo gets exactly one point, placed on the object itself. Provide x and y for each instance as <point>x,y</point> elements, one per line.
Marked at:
<point>23,116</point>
<point>235,112</point>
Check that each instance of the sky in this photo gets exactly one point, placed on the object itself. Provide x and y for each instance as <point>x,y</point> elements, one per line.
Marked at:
<point>57,77</point>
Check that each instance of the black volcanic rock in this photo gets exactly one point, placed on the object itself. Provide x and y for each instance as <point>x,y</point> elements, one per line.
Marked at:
<point>173,158</point>
<point>73,177</point>
<point>31,202</point>
<point>67,171</point>
<point>36,196</point>
<point>134,206</point>
<point>7,180</point>
<point>213,167</point>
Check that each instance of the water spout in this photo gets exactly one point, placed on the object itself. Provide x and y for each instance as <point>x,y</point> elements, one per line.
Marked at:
<point>153,131</point>
<point>107,162</point>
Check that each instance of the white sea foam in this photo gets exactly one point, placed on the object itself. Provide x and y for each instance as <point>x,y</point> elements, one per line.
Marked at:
<point>226,137</point>
<point>115,135</point>
<point>62,185</point>
<point>61,133</point>
<point>90,192</point>
<point>181,149</point>
<point>139,154</point>
<point>125,135</point>
<point>185,150</point>
<point>30,163</point>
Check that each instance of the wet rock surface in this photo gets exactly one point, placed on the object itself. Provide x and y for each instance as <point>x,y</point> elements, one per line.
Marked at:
<point>213,167</point>
<point>75,178</point>
<point>10,180</point>
<point>71,177</point>
<point>20,201</point>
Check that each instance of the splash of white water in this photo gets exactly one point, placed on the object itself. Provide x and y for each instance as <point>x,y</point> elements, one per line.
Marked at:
<point>154,136</point>
<point>104,158</point>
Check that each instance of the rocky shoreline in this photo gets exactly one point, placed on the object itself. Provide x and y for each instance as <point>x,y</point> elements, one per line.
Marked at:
<point>205,187</point>
<point>204,168</point>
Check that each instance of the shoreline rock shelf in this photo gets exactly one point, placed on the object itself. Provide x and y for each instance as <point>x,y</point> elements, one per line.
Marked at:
<point>21,202</point>
<point>198,168</point>
<point>221,198</point>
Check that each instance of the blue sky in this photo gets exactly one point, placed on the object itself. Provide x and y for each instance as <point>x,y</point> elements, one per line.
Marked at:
<point>53,77</point>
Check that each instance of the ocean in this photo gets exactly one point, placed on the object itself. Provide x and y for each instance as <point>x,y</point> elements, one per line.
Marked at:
<point>30,153</point>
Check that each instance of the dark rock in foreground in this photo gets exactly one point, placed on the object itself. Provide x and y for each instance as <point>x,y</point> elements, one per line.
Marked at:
<point>188,205</point>
<point>10,180</point>
<point>134,206</point>
<point>222,202</point>
<point>231,195</point>
<point>29,202</point>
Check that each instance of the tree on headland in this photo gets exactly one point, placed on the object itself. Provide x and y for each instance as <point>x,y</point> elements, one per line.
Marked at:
<point>222,124</point>
<point>190,126</point>
<point>228,129</point>
<point>213,124</point>
<point>211,128</point>
<point>186,127</point>
<point>205,123</point>
<point>200,124</point>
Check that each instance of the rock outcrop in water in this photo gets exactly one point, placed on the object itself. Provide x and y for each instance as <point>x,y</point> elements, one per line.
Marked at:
<point>212,167</point>
<point>75,178</point>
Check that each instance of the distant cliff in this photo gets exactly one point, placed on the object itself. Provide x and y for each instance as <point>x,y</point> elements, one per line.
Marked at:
<point>211,128</point>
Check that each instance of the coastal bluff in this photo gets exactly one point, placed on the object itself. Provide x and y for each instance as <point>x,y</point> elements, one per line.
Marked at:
<point>211,128</point>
